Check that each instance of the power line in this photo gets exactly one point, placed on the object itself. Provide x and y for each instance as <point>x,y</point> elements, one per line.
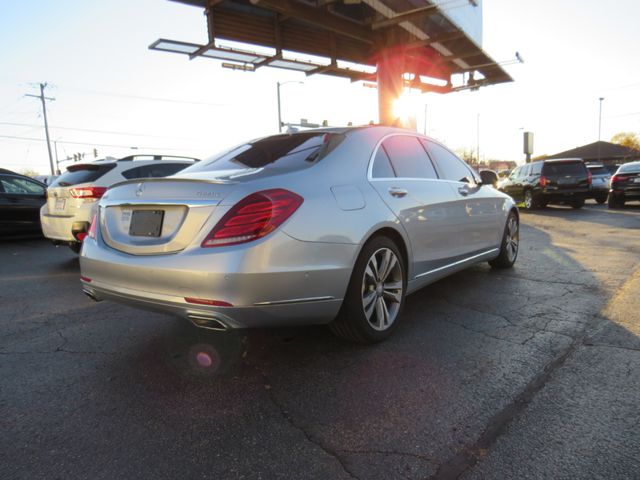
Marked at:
<point>110,132</point>
<point>143,97</point>
<point>32,139</point>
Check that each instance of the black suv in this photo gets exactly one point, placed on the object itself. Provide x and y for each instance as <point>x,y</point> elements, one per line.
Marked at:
<point>549,181</point>
<point>625,185</point>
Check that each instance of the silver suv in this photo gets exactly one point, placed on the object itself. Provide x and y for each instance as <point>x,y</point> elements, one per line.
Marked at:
<point>71,198</point>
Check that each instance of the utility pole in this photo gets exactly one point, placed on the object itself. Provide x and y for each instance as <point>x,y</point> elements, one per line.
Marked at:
<point>46,124</point>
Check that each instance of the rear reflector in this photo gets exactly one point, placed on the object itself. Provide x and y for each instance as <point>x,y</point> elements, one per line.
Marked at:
<point>253,217</point>
<point>85,279</point>
<point>204,301</point>
<point>87,192</point>
<point>80,236</point>
<point>91,233</point>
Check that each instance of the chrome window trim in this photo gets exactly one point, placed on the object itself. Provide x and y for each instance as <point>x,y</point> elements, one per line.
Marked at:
<point>493,250</point>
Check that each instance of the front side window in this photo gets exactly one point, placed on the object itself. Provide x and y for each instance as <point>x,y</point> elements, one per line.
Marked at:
<point>452,167</point>
<point>408,157</point>
<point>20,186</point>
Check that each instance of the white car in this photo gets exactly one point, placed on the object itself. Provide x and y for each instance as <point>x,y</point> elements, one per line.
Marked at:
<point>71,198</point>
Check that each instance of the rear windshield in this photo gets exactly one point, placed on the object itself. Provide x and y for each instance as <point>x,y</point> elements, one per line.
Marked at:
<point>564,168</point>
<point>629,168</point>
<point>598,170</point>
<point>81,174</point>
<point>287,152</point>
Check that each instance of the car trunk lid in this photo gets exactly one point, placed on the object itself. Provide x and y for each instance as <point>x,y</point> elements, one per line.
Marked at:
<point>566,174</point>
<point>158,216</point>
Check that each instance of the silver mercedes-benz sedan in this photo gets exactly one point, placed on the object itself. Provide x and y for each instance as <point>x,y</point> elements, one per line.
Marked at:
<point>330,226</point>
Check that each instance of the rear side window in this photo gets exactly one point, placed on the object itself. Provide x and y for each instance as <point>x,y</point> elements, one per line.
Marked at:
<point>452,167</point>
<point>564,168</point>
<point>288,152</point>
<point>154,170</point>
<point>382,165</point>
<point>536,168</point>
<point>408,157</point>
<point>81,174</point>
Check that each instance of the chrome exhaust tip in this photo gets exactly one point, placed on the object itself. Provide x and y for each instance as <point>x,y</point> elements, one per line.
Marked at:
<point>209,323</point>
<point>91,295</point>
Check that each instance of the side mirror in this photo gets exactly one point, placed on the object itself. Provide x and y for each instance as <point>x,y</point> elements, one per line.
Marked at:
<point>489,177</point>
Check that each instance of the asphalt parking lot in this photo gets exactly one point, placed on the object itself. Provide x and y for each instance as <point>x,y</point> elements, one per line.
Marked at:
<point>527,373</point>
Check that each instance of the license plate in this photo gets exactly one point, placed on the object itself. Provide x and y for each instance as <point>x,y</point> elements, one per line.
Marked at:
<point>146,223</point>
<point>60,203</point>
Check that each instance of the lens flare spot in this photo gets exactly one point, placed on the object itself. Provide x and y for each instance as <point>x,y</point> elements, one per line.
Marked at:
<point>204,360</point>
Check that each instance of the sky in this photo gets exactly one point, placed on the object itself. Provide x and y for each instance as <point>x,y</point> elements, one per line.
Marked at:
<point>113,94</point>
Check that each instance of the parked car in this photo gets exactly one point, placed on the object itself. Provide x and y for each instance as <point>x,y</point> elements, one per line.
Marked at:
<point>20,200</point>
<point>600,177</point>
<point>73,195</point>
<point>625,185</point>
<point>324,226</point>
<point>537,184</point>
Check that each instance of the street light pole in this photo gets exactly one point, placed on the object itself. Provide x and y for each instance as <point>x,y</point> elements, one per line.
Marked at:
<point>599,127</point>
<point>280,84</point>
<point>600,119</point>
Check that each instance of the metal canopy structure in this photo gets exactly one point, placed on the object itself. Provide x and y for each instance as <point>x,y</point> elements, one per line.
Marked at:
<point>395,43</point>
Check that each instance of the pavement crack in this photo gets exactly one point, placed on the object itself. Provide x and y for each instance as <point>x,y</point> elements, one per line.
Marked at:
<point>467,458</point>
<point>606,345</point>
<point>391,452</point>
<point>310,438</point>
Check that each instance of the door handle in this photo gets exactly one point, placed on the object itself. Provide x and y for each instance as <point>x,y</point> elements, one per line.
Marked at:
<point>397,192</point>
<point>463,191</point>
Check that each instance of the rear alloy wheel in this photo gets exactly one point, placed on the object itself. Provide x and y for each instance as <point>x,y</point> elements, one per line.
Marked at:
<point>529,202</point>
<point>510,243</point>
<point>375,295</point>
<point>577,203</point>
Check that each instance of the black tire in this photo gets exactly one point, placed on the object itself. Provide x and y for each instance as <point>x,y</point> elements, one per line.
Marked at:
<point>577,204</point>
<point>352,323</point>
<point>530,202</point>
<point>509,245</point>
<point>615,202</point>
<point>75,247</point>
<point>601,199</point>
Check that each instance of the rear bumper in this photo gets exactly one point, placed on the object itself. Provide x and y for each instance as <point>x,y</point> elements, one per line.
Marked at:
<point>304,312</point>
<point>61,227</point>
<point>278,281</point>
<point>565,195</point>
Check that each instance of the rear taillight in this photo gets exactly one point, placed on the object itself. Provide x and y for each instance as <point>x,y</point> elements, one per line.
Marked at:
<point>253,217</point>
<point>618,178</point>
<point>589,177</point>
<point>543,181</point>
<point>91,233</point>
<point>87,192</point>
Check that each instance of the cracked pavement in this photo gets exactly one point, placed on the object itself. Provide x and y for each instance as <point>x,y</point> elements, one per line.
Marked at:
<point>527,373</point>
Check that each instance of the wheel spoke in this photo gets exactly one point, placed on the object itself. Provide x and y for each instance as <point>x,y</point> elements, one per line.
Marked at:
<point>369,303</point>
<point>384,265</point>
<point>392,285</point>
<point>392,296</point>
<point>380,313</point>
<point>370,272</point>
<point>390,266</point>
